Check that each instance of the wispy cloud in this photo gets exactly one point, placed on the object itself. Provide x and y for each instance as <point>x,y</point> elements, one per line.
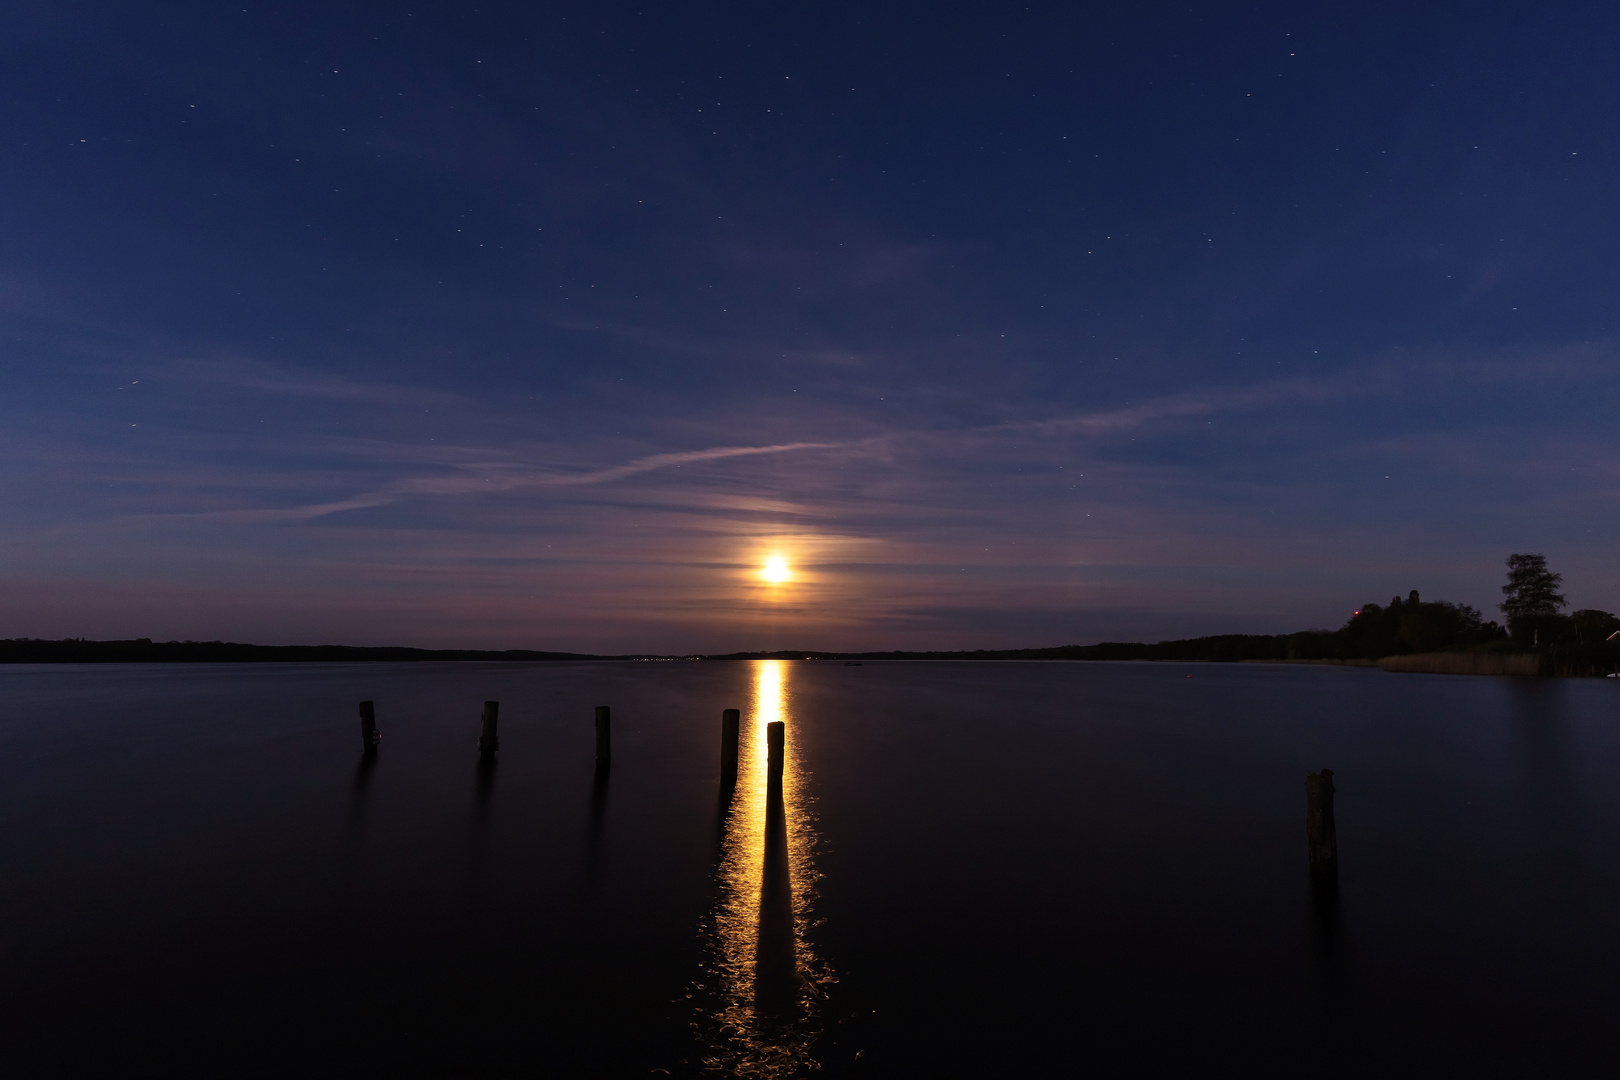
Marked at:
<point>473,470</point>
<point>688,457</point>
<point>487,477</point>
<point>296,513</point>
<point>1207,403</point>
<point>492,474</point>
<point>261,377</point>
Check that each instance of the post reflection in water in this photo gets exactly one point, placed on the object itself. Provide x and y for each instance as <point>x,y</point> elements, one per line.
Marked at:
<point>764,981</point>
<point>362,783</point>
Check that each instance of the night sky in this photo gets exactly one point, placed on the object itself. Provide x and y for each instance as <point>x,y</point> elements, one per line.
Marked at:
<point>546,325</point>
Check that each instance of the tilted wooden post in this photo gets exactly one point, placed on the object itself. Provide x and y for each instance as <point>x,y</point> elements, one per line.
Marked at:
<point>368,727</point>
<point>604,735</point>
<point>489,742</point>
<point>1321,839</point>
<point>730,728</point>
<point>776,750</point>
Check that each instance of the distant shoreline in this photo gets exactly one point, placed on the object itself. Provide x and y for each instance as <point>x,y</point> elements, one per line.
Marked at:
<point>1230,648</point>
<point>145,651</point>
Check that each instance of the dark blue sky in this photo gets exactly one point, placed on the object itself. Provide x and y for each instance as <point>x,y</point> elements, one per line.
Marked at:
<point>545,325</point>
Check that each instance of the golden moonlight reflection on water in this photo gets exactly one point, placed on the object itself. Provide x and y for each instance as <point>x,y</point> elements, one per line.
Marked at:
<point>763,981</point>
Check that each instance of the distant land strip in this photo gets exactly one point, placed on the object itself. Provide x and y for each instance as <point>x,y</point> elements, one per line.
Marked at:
<point>1495,655</point>
<point>1222,647</point>
<point>144,650</point>
<point>1586,642</point>
<point>1225,647</point>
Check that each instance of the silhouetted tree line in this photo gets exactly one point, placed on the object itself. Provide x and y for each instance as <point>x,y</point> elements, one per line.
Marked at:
<point>1413,626</point>
<point>1574,644</point>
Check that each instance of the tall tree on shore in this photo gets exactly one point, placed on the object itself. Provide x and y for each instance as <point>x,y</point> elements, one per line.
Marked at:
<point>1532,593</point>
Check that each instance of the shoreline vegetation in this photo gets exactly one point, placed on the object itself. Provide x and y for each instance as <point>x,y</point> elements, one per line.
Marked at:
<point>1406,635</point>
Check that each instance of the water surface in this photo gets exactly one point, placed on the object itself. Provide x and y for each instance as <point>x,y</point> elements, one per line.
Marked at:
<point>969,870</point>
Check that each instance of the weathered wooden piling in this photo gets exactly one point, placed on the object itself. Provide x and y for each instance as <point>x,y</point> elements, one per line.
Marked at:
<point>776,975</point>
<point>489,742</point>
<point>1321,839</point>
<point>368,727</point>
<point>730,727</point>
<point>604,735</point>
<point>775,751</point>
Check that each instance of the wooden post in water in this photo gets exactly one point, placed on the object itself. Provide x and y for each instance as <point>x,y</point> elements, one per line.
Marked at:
<point>604,735</point>
<point>489,742</point>
<point>776,750</point>
<point>1321,839</point>
<point>368,727</point>
<point>730,727</point>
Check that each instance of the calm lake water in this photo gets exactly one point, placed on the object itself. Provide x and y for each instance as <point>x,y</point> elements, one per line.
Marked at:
<point>973,870</point>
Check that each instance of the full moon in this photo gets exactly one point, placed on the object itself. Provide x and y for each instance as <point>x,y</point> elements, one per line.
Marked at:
<point>776,570</point>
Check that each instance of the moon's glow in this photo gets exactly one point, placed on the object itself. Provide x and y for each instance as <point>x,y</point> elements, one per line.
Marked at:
<point>776,570</point>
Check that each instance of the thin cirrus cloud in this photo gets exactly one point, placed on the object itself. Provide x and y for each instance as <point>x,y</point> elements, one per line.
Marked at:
<point>485,477</point>
<point>480,471</point>
<point>260,377</point>
<point>490,478</point>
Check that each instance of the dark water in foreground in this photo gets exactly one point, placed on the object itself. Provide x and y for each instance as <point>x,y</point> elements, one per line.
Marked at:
<point>974,870</point>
